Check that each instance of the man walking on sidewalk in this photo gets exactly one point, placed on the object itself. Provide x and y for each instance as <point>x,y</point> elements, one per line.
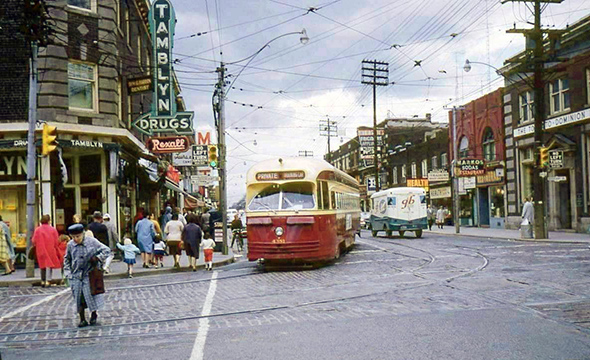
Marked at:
<point>528,211</point>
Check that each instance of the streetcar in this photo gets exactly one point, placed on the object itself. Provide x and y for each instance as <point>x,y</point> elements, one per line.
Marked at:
<point>398,209</point>
<point>300,210</point>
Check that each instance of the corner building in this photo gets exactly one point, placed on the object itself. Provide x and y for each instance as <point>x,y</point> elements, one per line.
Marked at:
<point>566,133</point>
<point>95,49</point>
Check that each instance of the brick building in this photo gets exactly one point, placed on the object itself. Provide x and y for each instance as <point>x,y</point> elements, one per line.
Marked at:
<point>480,135</point>
<point>566,134</point>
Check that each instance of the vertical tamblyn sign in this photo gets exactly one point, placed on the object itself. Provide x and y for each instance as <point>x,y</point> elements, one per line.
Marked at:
<point>162,20</point>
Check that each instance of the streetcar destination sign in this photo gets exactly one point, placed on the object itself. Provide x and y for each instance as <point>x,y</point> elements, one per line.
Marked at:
<point>280,175</point>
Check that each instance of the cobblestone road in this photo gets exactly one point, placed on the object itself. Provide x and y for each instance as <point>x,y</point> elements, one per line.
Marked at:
<point>380,277</point>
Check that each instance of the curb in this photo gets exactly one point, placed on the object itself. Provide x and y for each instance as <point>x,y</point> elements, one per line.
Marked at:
<point>519,239</point>
<point>159,271</point>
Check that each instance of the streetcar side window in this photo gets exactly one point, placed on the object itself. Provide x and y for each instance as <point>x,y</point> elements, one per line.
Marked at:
<point>324,202</point>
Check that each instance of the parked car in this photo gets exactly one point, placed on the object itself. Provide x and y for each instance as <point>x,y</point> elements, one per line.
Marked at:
<point>365,216</point>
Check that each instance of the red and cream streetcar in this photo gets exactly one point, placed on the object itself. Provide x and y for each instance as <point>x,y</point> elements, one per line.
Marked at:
<point>300,210</point>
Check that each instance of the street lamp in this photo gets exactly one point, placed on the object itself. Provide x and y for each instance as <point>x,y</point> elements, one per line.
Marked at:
<point>219,114</point>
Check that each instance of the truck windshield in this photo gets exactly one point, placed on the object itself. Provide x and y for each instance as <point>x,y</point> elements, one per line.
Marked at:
<point>290,196</point>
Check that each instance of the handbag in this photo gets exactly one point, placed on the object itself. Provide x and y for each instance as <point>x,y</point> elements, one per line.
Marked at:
<point>96,280</point>
<point>32,253</point>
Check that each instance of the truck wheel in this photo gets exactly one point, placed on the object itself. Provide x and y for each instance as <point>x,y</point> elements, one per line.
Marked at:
<point>418,233</point>
<point>388,233</point>
<point>374,233</point>
<point>401,233</point>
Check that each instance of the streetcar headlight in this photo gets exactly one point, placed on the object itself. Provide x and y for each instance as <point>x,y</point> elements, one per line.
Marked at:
<point>279,231</point>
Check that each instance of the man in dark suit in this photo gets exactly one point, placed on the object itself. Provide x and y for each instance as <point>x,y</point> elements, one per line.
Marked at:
<point>100,231</point>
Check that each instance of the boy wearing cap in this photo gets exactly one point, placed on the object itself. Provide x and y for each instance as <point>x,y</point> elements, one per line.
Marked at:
<point>82,254</point>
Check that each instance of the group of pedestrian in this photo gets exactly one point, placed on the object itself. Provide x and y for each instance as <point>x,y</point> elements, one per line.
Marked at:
<point>436,216</point>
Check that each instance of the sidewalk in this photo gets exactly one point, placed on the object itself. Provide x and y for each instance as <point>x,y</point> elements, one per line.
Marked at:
<point>554,236</point>
<point>119,269</point>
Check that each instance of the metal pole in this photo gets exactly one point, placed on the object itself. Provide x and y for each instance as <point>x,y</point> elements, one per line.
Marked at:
<point>221,169</point>
<point>539,102</point>
<point>31,158</point>
<point>375,129</point>
<point>455,178</point>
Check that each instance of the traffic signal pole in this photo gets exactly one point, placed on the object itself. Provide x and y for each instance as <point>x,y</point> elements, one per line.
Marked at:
<point>31,157</point>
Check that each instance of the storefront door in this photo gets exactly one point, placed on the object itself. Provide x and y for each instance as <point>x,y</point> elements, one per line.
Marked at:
<point>484,207</point>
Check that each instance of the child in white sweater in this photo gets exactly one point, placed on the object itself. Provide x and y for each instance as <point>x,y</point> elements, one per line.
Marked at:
<point>208,245</point>
<point>130,251</point>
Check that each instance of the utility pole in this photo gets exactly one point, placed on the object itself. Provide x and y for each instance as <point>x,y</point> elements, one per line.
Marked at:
<point>305,153</point>
<point>328,128</point>
<point>31,158</point>
<point>535,36</point>
<point>221,168</point>
<point>456,204</point>
<point>375,73</point>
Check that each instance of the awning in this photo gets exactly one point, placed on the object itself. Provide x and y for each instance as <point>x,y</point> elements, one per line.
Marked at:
<point>151,168</point>
<point>190,201</point>
<point>173,186</point>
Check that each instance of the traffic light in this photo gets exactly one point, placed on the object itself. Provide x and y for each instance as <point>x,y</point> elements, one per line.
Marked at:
<point>49,142</point>
<point>544,157</point>
<point>213,155</point>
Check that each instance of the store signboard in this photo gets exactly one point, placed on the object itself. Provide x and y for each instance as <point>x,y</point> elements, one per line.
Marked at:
<point>13,167</point>
<point>491,177</point>
<point>417,182</point>
<point>200,155</point>
<point>556,158</point>
<point>470,167</point>
<point>140,84</point>
<point>438,175</point>
<point>440,193</point>
<point>172,144</point>
<point>183,158</point>
<point>469,182</point>
<point>367,143</point>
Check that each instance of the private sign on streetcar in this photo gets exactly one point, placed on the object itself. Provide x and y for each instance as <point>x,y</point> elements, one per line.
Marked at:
<point>300,210</point>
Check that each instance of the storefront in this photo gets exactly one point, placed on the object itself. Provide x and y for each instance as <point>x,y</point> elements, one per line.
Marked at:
<point>442,196</point>
<point>490,198</point>
<point>13,173</point>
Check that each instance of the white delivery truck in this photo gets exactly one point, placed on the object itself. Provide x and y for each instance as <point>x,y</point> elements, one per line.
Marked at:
<point>398,209</point>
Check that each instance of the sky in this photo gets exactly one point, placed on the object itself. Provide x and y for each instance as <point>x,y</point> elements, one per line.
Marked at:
<point>279,89</point>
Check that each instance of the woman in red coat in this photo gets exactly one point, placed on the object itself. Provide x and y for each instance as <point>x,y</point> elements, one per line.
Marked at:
<point>46,244</point>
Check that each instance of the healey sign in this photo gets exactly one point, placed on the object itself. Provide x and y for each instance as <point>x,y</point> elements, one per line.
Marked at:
<point>163,145</point>
<point>164,117</point>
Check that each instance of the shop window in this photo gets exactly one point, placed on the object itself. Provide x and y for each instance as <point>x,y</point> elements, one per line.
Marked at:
<point>497,201</point>
<point>91,200</point>
<point>434,163</point>
<point>560,95</point>
<point>424,168</point>
<point>526,173</point>
<point>526,106</point>
<point>464,147</point>
<point>90,169</point>
<point>489,147</point>
<point>81,85</point>
<point>444,160</point>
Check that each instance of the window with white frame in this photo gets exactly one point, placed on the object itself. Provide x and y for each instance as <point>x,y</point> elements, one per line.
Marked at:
<point>444,160</point>
<point>526,100</point>
<point>127,26</point>
<point>82,4</point>
<point>414,170</point>
<point>424,168</point>
<point>82,85</point>
<point>489,147</point>
<point>588,85</point>
<point>404,171</point>
<point>139,54</point>
<point>120,100</point>
<point>434,162</point>
<point>560,95</point>
<point>394,175</point>
<point>117,8</point>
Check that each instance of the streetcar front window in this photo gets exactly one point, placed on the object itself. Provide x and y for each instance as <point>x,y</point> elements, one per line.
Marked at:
<point>297,196</point>
<point>267,199</point>
<point>290,196</point>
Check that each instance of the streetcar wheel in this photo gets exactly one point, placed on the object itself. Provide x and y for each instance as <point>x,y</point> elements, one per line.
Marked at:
<point>418,233</point>
<point>401,233</point>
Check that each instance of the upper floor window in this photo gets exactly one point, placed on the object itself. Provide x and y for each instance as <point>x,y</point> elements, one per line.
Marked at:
<point>404,171</point>
<point>394,175</point>
<point>82,85</point>
<point>588,85</point>
<point>444,160</point>
<point>489,147</point>
<point>434,162</point>
<point>463,147</point>
<point>527,100</point>
<point>83,4</point>
<point>414,170</point>
<point>424,168</point>
<point>560,95</point>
